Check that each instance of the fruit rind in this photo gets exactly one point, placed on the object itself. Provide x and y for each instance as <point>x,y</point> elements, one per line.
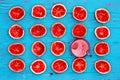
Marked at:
<point>16,7</point>
<point>102,72</point>
<point>75,17</point>
<point>53,33</point>
<point>19,60</point>
<point>42,44</point>
<point>102,27</point>
<point>106,11</point>
<point>59,71</point>
<point>16,54</point>
<point>19,27</point>
<point>34,62</point>
<point>62,52</point>
<point>43,8</point>
<point>60,5</point>
<point>99,54</point>
<point>77,71</point>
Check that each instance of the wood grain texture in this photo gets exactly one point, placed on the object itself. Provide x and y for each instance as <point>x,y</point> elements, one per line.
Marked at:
<point>90,74</point>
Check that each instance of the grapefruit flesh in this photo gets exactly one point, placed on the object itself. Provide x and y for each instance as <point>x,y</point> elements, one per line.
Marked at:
<point>80,48</point>
<point>58,30</point>
<point>102,49</point>
<point>102,15</point>
<point>102,66</point>
<point>16,49</point>
<point>79,13</point>
<point>38,66</point>
<point>38,11</point>
<point>79,65</point>
<point>102,32</point>
<point>79,31</point>
<point>57,48</point>
<point>38,48</point>
<point>16,32</point>
<point>59,66</point>
<point>16,13</point>
<point>58,11</point>
<point>38,30</point>
<point>17,65</point>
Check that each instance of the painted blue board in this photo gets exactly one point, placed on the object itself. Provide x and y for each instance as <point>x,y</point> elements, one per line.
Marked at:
<point>90,74</point>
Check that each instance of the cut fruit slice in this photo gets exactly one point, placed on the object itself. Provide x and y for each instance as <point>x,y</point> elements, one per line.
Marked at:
<point>58,11</point>
<point>79,31</point>
<point>102,66</point>
<point>38,48</point>
<point>16,49</point>
<point>16,13</point>
<point>17,65</point>
<point>38,66</point>
<point>58,48</point>
<point>102,15</point>
<point>79,65</point>
<point>59,66</point>
<point>79,13</point>
<point>80,48</point>
<point>58,30</point>
<point>102,32</point>
<point>101,49</point>
<point>38,31</point>
<point>38,11</point>
<point>16,31</point>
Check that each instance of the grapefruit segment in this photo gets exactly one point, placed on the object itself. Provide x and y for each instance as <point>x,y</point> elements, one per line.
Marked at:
<point>59,66</point>
<point>58,30</point>
<point>79,31</point>
<point>102,66</point>
<point>101,49</point>
<point>38,66</point>
<point>80,48</point>
<point>38,31</point>
<point>38,48</point>
<point>102,15</point>
<point>79,65</point>
<point>16,31</point>
<point>102,32</point>
<point>58,48</point>
<point>58,10</point>
<point>17,65</point>
<point>16,49</point>
<point>38,11</point>
<point>79,13</point>
<point>16,13</point>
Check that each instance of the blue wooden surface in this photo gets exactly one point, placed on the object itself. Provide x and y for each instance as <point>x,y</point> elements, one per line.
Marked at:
<point>90,74</point>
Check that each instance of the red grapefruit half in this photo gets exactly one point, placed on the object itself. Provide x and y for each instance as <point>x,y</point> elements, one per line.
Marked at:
<point>16,49</point>
<point>58,30</point>
<point>38,31</point>
<point>101,49</point>
<point>58,10</point>
<point>17,65</point>
<point>16,13</point>
<point>79,65</point>
<point>102,66</point>
<point>80,48</point>
<point>38,11</point>
<point>102,32</point>
<point>16,31</point>
<point>79,31</point>
<point>79,13</point>
<point>38,48</point>
<point>59,66</point>
<point>58,48</point>
<point>102,15</point>
<point>38,66</point>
